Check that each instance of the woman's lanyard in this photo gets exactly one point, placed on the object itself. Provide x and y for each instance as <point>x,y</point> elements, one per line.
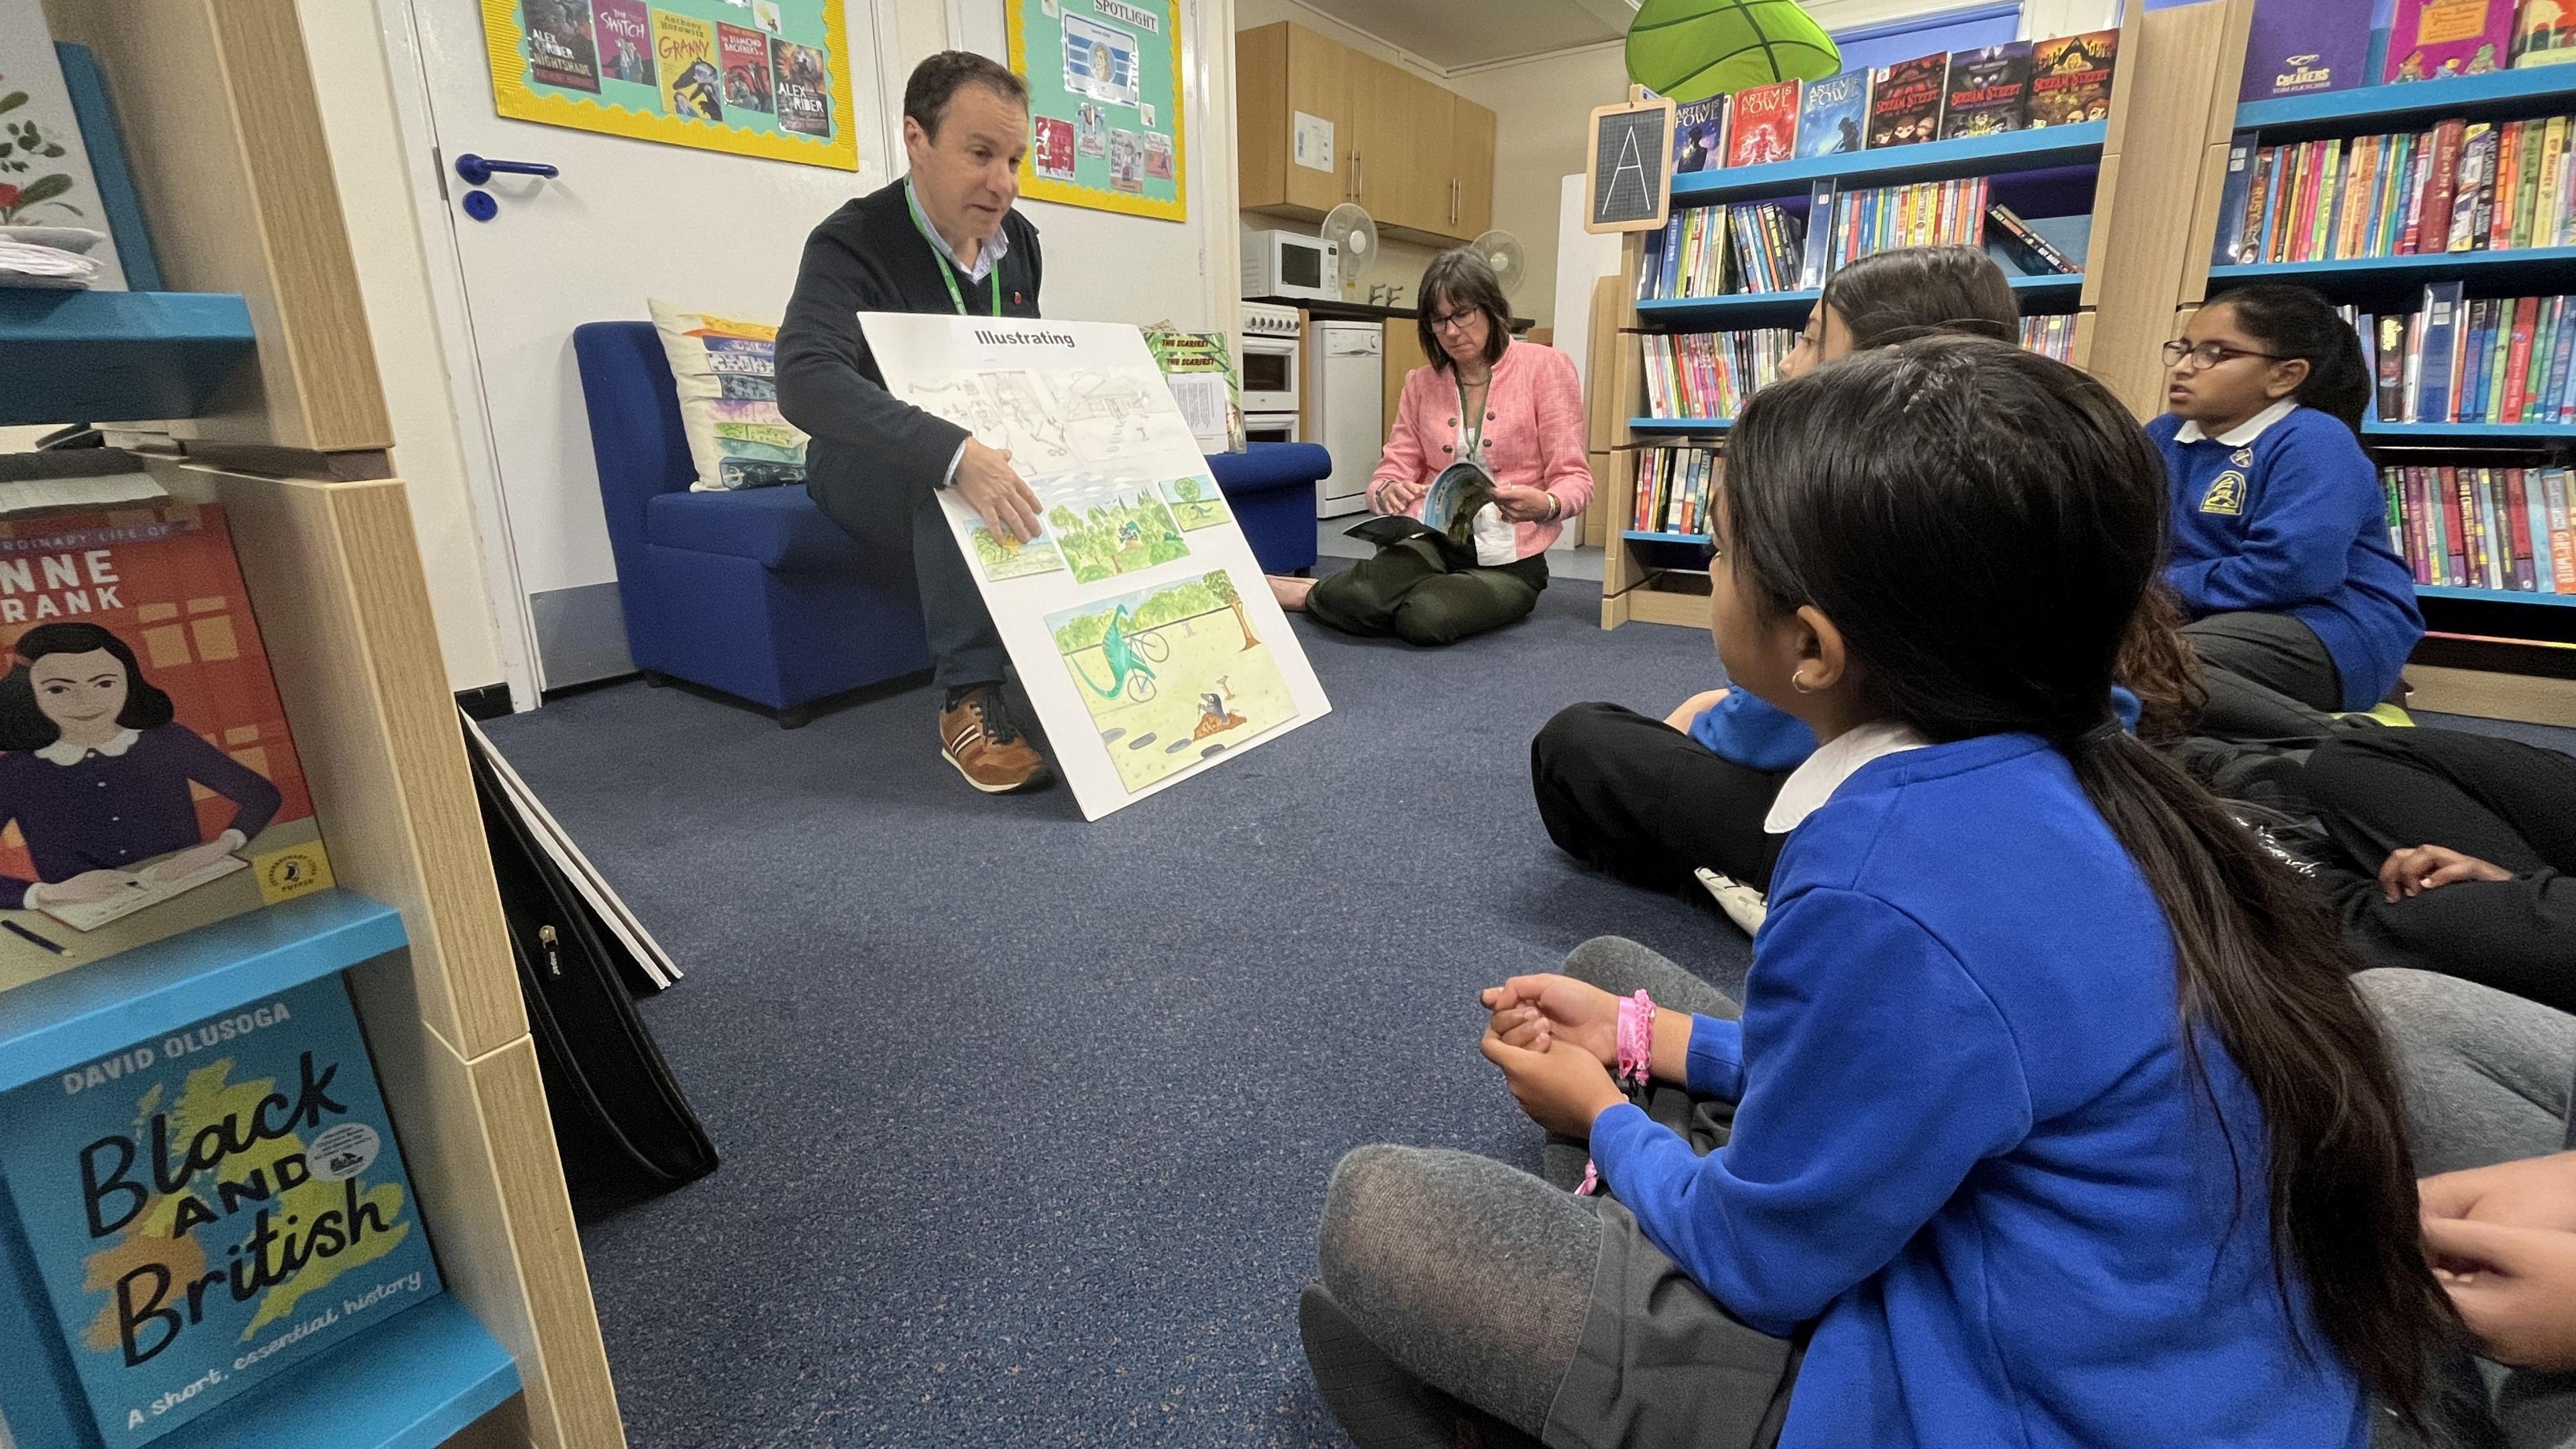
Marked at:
<point>1471,421</point>
<point>948,273</point>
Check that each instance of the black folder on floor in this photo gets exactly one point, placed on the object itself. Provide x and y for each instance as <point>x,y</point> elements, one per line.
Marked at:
<point>621,1123</point>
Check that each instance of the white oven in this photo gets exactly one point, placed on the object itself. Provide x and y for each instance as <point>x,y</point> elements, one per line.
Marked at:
<point>1270,428</point>
<point>1270,338</point>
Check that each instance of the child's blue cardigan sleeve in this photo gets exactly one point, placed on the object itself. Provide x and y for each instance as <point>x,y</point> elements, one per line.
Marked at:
<point>1753,734</point>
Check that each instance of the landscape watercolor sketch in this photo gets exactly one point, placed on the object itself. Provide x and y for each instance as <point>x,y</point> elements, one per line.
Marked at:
<point>1172,675</point>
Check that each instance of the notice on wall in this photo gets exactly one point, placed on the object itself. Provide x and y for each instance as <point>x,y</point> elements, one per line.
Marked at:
<point>1105,103</point>
<point>1139,620</point>
<point>768,78</point>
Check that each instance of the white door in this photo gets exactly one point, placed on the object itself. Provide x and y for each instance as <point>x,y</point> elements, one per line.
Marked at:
<point>620,221</point>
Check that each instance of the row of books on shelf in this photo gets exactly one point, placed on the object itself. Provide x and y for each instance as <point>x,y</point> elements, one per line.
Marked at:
<point>1981,92</point>
<point>2297,47</point>
<point>2052,336</point>
<point>2502,360</point>
<point>1766,246</point>
<point>1673,489</point>
<point>2459,186</point>
<point>1710,375</point>
<point>2483,528</point>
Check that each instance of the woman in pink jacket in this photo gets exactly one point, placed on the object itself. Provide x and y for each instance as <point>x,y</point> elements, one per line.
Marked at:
<point>1513,408</point>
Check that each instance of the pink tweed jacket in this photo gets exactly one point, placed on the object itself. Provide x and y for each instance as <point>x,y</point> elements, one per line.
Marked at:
<point>1533,433</point>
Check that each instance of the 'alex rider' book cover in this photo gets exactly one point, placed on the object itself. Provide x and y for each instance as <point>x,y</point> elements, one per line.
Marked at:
<point>208,1209</point>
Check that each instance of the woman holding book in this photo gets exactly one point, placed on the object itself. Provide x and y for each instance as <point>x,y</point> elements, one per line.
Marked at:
<point>1515,410</point>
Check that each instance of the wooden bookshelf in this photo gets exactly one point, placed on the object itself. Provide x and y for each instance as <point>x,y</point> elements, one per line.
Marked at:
<point>2123,300</point>
<point>2517,642</point>
<point>278,416</point>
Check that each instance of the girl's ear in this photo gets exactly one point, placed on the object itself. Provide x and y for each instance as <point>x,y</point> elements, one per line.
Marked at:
<point>1822,657</point>
<point>2285,377</point>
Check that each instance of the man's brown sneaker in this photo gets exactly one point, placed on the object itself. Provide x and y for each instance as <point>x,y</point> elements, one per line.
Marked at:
<point>978,737</point>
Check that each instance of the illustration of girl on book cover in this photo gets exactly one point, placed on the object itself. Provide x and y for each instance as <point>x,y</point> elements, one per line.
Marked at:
<point>96,777</point>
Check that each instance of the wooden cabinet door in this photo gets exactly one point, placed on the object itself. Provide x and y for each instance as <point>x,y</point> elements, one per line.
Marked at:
<point>1429,197</point>
<point>1472,155</point>
<point>1385,107</point>
<point>1323,80</point>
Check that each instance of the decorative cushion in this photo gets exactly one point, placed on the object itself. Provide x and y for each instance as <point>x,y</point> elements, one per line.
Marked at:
<point>726,370</point>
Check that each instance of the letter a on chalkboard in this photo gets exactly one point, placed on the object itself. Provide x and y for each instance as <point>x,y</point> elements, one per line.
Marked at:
<point>1630,175</point>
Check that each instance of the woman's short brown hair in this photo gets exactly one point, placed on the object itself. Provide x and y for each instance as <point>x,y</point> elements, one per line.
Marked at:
<point>1915,292</point>
<point>1459,278</point>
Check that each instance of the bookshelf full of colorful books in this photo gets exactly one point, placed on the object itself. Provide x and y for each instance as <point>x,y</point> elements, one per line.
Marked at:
<point>2421,173</point>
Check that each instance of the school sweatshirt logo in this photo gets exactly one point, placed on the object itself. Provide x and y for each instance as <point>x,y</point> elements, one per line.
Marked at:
<point>2226,495</point>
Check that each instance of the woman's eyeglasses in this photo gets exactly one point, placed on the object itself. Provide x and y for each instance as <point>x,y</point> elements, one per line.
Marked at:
<point>1444,321</point>
<point>2210,354</point>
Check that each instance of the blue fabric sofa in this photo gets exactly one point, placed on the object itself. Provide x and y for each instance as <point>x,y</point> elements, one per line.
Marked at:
<point>1272,491</point>
<point>754,593</point>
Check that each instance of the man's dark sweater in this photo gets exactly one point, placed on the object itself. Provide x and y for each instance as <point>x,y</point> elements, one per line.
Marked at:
<point>869,257</point>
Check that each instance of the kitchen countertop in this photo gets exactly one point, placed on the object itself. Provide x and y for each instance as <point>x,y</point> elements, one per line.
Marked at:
<point>1363,311</point>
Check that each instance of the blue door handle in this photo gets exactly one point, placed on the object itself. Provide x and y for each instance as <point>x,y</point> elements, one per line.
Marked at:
<point>477,170</point>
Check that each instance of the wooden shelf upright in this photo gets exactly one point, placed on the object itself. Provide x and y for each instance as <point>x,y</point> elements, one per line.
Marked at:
<point>227,150</point>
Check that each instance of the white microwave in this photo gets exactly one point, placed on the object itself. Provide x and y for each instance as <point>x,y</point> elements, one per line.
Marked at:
<point>1284,264</point>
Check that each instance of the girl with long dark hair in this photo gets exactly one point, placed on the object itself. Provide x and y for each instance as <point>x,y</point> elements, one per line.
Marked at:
<point>2051,1116</point>
<point>2299,608</point>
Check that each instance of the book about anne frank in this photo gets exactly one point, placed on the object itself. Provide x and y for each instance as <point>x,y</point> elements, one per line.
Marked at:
<point>1989,91</point>
<point>2070,78</point>
<point>561,49</point>
<point>1905,101</point>
<point>199,1212</point>
<point>148,782</point>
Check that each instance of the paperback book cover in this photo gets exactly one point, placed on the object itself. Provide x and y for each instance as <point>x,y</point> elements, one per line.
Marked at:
<point>1699,136</point>
<point>2544,33</point>
<point>147,780</point>
<point>2299,46</point>
<point>625,41</point>
<point>206,1210</point>
<point>804,88</point>
<point>2429,39</point>
<point>2070,78</point>
<point>1762,125</point>
<point>1831,113</point>
<point>2230,246</point>
<point>1988,91</point>
<point>1905,101</point>
<point>561,50</point>
<point>691,82</point>
<point>746,68</point>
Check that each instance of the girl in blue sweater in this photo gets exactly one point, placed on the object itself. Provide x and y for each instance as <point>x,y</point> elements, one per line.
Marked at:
<point>2299,607</point>
<point>2050,1117</point>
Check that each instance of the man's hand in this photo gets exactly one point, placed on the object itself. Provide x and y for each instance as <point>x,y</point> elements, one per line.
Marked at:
<point>1530,1011</point>
<point>1562,1089</point>
<point>2424,867</point>
<point>988,483</point>
<point>2533,1192</point>
<point>2515,1287</point>
<point>1522,504</point>
<point>1398,495</point>
<point>1692,708</point>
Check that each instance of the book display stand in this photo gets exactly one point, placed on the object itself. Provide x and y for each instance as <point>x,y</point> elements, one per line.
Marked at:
<point>250,383</point>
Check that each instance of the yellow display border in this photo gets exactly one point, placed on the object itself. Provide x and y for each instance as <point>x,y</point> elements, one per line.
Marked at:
<point>512,98</point>
<point>1074,193</point>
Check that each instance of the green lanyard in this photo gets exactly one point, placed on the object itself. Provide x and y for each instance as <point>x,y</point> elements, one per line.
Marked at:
<point>1471,421</point>
<point>939,256</point>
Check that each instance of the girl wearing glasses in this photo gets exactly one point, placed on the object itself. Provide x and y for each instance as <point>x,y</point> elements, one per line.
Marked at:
<point>1515,409</point>
<point>2298,606</point>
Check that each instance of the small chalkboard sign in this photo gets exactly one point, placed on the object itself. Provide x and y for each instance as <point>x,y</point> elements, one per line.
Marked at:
<point>1628,169</point>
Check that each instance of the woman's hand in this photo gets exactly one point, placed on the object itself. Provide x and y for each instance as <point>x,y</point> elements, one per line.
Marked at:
<point>194,858</point>
<point>1692,708</point>
<point>2425,867</point>
<point>2515,1287</point>
<point>2533,1192</point>
<point>1398,495</point>
<point>1531,1011</point>
<point>1562,1088</point>
<point>80,890</point>
<point>1522,504</point>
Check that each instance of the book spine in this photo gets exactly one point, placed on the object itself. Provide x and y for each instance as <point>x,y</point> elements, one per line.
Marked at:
<point>2419,536</point>
<point>2547,226</point>
<point>2498,230</point>
<point>2562,541</point>
<point>2517,524</point>
<point>2232,202</point>
<point>2517,366</point>
<point>2544,564</point>
<point>2441,183</point>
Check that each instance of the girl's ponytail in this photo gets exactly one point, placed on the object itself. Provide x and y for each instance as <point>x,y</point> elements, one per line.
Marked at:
<point>2295,322</point>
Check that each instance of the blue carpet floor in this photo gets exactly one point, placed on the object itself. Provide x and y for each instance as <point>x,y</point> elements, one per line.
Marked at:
<point>1025,1121</point>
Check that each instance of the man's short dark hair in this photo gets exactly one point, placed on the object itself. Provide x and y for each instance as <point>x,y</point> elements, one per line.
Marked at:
<point>935,81</point>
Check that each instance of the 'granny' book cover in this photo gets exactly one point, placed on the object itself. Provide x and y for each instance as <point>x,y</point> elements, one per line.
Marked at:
<point>1988,91</point>
<point>2070,78</point>
<point>148,784</point>
<point>691,83</point>
<point>1831,115</point>
<point>208,1209</point>
<point>2429,39</point>
<point>2299,46</point>
<point>1905,101</point>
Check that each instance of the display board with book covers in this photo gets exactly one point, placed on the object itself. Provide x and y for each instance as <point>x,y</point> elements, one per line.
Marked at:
<point>1107,104</point>
<point>767,78</point>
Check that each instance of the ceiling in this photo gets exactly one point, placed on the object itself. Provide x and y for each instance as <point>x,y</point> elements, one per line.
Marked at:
<point>1454,33</point>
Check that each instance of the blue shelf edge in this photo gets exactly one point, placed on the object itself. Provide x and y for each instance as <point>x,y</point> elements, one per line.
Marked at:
<point>98,1008</point>
<point>76,356</point>
<point>2455,95</point>
<point>2402,431</point>
<point>2026,150</point>
<point>1679,425</point>
<point>411,1382</point>
<point>2060,288</point>
<point>2505,596</point>
<point>2423,263</point>
<point>1640,535</point>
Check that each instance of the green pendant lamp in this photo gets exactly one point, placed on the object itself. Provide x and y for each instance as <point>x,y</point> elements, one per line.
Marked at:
<point>1690,50</point>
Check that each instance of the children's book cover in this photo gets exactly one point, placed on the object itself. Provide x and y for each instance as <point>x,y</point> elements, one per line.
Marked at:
<point>207,1209</point>
<point>2070,78</point>
<point>2544,33</point>
<point>2429,39</point>
<point>561,50</point>
<point>1762,126</point>
<point>2299,46</point>
<point>147,780</point>
<point>1905,101</point>
<point>804,87</point>
<point>1831,113</point>
<point>1988,91</point>
<point>691,81</point>
<point>746,68</point>
<point>1699,136</point>
<point>625,41</point>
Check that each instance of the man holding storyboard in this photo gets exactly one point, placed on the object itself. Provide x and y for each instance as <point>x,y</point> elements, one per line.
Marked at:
<point>944,238</point>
